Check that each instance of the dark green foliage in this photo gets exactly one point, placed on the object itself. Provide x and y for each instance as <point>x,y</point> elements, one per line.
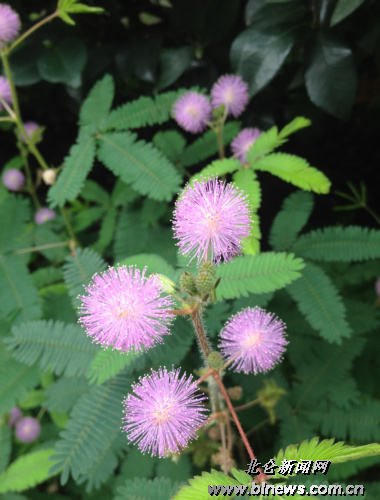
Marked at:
<point>94,112</point>
<point>63,394</point>
<point>5,445</point>
<point>14,216</point>
<point>160,489</point>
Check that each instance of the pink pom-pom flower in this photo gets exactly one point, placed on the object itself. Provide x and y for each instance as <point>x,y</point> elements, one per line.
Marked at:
<point>243,141</point>
<point>126,310</point>
<point>9,24</point>
<point>211,219</point>
<point>13,179</point>
<point>44,214</point>
<point>15,416</point>
<point>232,92</point>
<point>163,413</point>
<point>192,111</point>
<point>5,92</point>
<point>28,429</point>
<point>254,339</point>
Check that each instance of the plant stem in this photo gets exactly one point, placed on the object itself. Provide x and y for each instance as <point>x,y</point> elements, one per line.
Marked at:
<point>182,311</point>
<point>32,30</point>
<point>247,405</point>
<point>197,322</point>
<point>373,213</point>
<point>43,247</point>
<point>261,477</point>
<point>69,227</point>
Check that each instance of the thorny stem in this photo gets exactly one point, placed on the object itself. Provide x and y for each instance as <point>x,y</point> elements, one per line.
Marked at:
<point>261,476</point>
<point>32,30</point>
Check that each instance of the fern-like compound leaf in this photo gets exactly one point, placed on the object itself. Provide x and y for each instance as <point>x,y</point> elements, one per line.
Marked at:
<point>77,166</point>
<point>79,270</point>
<point>292,217</point>
<point>95,109</point>
<point>27,471</point>
<point>321,304</point>
<point>16,380</point>
<point>139,164</point>
<point>295,170</point>
<point>62,395</point>
<point>347,244</point>
<point>246,180</point>
<point>160,488</point>
<point>297,124</point>
<point>143,112</point>
<point>198,485</point>
<point>108,363</point>
<point>217,168</point>
<point>259,273</point>
<point>266,143</point>
<point>14,217</point>
<point>62,348</point>
<point>5,445</point>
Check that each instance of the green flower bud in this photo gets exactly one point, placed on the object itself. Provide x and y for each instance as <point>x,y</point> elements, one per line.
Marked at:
<point>187,283</point>
<point>269,396</point>
<point>205,279</point>
<point>215,360</point>
<point>166,283</point>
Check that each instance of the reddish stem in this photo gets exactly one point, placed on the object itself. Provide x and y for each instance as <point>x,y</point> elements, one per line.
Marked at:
<point>203,377</point>
<point>181,311</point>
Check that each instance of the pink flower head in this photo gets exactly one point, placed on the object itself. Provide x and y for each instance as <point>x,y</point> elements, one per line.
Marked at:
<point>30,129</point>
<point>15,416</point>
<point>163,413</point>
<point>211,219</point>
<point>243,141</point>
<point>13,179</point>
<point>124,309</point>
<point>192,112</point>
<point>43,215</point>
<point>232,91</point>
<point>5,92</point>
<point>28,429</point>
<point>255,340</point>
<point>9,24</point>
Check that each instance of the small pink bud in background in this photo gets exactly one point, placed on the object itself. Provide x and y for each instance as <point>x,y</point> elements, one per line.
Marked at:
<point>9,24</point>
<point>5,92</point>
<point>378,287</point>
<point>232,92</point>
<point>43,215</point>
<point>192,112</point>
<point>49,176</point>
<point>15,416</point>
<point>28,429</point>
<point>243,141</point>
<point>30,129</point>
<point>13,179</point>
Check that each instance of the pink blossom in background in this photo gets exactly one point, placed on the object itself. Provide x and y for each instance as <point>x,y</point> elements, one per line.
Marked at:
<point>211,218</point>
<point>125,310</point>
<point>13,179</point>
<point>243,141</point>
<point>192,112</point>
<point>44,214</point>
<point>5,92</point>
<point>255,339</point>
<point>30,128</point>
<point>15,416</point>
<point>9,24</point>
<point>232,92</point>
<point>163,412</point>
<point>28,429</point>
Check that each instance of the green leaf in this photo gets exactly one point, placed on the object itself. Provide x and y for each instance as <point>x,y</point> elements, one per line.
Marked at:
<point>15,382</point>
<point>319,301</point>
<point>27,471</point>
<point>62,395</point>
<point>139,164</point>
<point>343,9</point>
<point>293,216</point>
<point>5,445</point>
<point>17,292</point>
<point>79,270</point>
<point>155,264</point>
<point>325,450</point>
<point>295,170</point>
<point>64,62</point>
<point>78,8</point>
<point>143,111</point>
<point>171,143</point>
<point>46,276</point>
<point>14,217</point>
<point>108,363</point>
<point>95,109</point>
<point>107,230</point>
<point>44,235</point>
<point>207,145</point>
<point>23,63</point>
<point>264,144</point>
<point>94,423</point>
<point>160,488</point>
<point>260,273</point>
<point>92,191</point>
<point>246,180</point>
<point>198,489</point>
<point>55,346</point>
<point>297,124</point>
<point>347,244</point>
<point>217,168</point>
<point>75,170</point>
<point>257,53</point>
<point>32,400</point>
<point>330,74</point>
<point>173,63</point>
<point>86,217</point>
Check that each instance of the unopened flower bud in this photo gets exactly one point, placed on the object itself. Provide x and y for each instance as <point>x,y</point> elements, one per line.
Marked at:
<point>49,176</point>
<point>187,283</point>
<point>235,392</point>
<point>167,284</point>
<point>269,396</point>
<point>215,360</point>
<point>205,279</point>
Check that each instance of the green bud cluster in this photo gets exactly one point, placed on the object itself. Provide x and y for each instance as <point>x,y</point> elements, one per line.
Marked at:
<point>205,280</point>
<point>215,360</point>
<point>187,283</point>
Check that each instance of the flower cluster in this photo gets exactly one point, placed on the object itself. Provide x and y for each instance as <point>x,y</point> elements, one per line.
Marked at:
<point>211,219</point>
<point>9,24</point>
<point>193,111</point>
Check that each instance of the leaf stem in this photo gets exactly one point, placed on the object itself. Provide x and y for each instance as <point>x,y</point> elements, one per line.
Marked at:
<point>69,227</point>
<point>32,30</point>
